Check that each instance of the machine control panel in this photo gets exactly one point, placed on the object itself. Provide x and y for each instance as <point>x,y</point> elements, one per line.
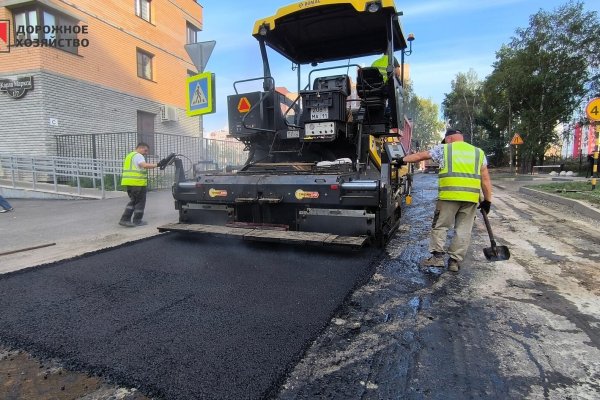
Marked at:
<point>319,130</point>
<point>394,150</point>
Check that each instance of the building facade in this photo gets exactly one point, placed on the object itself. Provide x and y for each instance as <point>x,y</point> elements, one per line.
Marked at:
<point>89,67</point>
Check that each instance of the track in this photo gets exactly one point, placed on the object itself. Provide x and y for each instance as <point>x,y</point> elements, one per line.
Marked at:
<point>180,318</point>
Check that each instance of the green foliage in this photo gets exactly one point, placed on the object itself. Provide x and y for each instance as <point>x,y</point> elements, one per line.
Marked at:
<point>540,79</point>
<point>109,182</point>
<point>462,105</point>
<point>581,190</point>
<point>424,114</point>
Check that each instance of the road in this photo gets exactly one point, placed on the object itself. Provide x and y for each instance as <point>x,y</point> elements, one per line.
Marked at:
<point>526,328</point>
<point>523,328</point>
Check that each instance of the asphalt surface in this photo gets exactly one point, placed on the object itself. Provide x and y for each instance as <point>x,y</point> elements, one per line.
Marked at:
<point>490,332</point>
<point>180,319</point>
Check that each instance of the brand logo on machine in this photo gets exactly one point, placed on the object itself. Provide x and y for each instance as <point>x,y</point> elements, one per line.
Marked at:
<point>217,193</point>
<point>301,195</point>
<point>4,36</point>
<point>308,3</point>
<point>16,88</point>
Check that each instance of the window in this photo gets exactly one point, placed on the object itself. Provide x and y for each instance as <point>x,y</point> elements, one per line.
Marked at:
<point>26,18</point>
<point>192,33</point>
<point>44,18</point>
<point>144,64</point>
<point>142,9</point>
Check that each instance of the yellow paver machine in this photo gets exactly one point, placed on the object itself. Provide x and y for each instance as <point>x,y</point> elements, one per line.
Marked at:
<point>320,167</point>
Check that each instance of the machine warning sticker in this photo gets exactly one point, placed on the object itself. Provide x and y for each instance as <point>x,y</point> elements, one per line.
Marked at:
<point>244,105</point>
<point>301,195</point>
<point>217,193</point>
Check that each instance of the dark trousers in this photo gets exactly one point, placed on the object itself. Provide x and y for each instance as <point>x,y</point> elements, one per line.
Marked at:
<point>136,205</point>
<point>5,204</point>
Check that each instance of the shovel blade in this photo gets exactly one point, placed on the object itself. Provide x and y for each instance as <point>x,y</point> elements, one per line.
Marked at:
<point>496,253</point>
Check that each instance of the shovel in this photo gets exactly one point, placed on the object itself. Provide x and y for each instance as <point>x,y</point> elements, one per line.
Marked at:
<point>494,253</point>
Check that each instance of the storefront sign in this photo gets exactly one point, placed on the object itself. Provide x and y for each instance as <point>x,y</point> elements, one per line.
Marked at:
<point>16,88</point>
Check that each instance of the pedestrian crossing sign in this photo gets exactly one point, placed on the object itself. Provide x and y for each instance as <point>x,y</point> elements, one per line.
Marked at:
<point>201,94</point>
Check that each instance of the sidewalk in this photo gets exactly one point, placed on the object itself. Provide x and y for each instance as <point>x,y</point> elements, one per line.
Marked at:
<point>75,226</point>
<point>517,183</point>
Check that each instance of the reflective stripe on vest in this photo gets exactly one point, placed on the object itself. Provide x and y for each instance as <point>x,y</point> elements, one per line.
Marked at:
<point>132,176</point>
<point>460,179</point>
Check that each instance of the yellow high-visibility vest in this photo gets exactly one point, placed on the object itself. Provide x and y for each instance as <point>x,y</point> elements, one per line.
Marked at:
<point>381,64</point>
<point>460,179</point>
<point>132,175</point>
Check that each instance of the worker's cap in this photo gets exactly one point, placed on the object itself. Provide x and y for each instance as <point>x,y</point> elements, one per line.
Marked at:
<point>451,132</point>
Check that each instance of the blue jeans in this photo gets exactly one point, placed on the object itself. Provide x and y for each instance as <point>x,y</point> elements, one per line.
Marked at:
<point>4,203</point>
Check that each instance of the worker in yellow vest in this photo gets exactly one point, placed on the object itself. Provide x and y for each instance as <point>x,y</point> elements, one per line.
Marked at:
<point>135,181</point>
<point>382,64</point>
<point>463,176</point>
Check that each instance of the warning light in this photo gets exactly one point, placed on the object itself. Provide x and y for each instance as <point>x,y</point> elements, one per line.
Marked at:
<point>244,105</point>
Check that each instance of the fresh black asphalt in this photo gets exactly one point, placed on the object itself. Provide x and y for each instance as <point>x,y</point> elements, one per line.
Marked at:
<point>181,318</point>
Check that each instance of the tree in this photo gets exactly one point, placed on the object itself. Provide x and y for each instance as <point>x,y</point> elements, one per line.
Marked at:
<point>463,104</point>
<point>427,124</point>
<point>543,75</point>
<point>424,114</point>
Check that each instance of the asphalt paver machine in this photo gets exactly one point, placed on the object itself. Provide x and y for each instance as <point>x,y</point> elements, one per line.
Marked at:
<point>320,167</point>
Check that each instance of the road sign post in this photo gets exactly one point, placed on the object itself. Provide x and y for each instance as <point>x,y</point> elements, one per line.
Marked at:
<point>516,141</point>
<point>593,113</point>
<point>596,151</point>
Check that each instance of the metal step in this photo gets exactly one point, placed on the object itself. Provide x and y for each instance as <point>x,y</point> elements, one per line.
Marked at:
<point>265,235</point>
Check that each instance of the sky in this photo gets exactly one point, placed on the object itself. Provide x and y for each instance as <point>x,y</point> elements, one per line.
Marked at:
<point>451,36</point>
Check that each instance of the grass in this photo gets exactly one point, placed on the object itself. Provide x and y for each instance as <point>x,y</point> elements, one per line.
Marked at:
<point>581,190</point>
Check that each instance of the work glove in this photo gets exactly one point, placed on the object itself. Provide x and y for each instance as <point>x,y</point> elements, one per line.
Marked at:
<point>484,206</point>
<point>162,164</point>
<point>399,161</point>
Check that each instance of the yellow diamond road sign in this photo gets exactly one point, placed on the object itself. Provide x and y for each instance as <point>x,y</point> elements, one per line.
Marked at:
<point>517,139</point>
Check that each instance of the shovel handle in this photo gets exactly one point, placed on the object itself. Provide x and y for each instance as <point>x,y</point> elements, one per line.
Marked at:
<point>489,228</point>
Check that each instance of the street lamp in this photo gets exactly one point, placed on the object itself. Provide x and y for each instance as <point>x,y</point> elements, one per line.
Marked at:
<point>406,53</point>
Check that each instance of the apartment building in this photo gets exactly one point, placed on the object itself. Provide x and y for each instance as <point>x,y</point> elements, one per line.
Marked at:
<point>87,67</point>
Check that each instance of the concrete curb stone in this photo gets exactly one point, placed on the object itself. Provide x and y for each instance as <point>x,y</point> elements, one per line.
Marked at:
<point>576,205</point>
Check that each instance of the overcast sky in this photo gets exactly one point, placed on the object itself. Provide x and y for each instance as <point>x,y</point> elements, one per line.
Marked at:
<point>452,36</point>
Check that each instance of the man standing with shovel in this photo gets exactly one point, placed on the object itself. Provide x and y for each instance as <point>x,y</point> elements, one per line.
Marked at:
<point>463,174</point>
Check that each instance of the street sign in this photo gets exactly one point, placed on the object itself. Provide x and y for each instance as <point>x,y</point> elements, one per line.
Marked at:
<point>593,109</point>
<point>200,53</point>
<point>201,94</point>
<point>244,105</point>
<point>517,139</point>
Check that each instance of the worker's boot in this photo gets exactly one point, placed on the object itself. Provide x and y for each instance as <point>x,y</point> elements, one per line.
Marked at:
<point>436,260</point>
<point>453,265</point>
<point>128,224</point>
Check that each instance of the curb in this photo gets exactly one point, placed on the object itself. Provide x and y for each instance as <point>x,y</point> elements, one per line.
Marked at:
<point>576,205</point>
<point>42,194</point>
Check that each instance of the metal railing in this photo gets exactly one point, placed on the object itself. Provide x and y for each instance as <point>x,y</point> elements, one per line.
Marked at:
<point>81,176</point>
<point>203,153</point>
<point>84,175</point>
